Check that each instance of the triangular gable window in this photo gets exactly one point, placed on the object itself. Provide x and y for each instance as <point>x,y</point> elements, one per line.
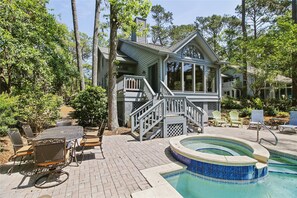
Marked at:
<point>192,52</point>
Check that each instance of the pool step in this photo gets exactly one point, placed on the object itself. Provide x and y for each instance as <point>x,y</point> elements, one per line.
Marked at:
<point>283,168</point>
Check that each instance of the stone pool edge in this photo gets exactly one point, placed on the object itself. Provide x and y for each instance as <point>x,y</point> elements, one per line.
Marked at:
<point>160,187</point>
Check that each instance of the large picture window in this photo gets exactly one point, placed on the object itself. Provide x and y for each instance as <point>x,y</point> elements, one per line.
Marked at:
<point>174,75</point>
<point>211,76</point>
<point>199,78</point>
<point>188,76</point>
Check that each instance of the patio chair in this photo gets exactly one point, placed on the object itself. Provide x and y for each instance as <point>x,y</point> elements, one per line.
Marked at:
<point>50,154</point>
<point>92,135</point>
<point>292,123</point>
<point>19,148</point>
<point>92,141</point>
<point>234,118</point>
<point>29,133</point>
<point>217,118</point>
<point>257,118</point>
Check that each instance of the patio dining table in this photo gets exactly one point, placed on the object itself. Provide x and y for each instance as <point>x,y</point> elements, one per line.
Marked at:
<point>70,133</point>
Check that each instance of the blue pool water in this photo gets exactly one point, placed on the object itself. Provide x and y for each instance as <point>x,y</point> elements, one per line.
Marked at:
<point>280,182</point>
<point>217,147</point>
<point>274,186</point>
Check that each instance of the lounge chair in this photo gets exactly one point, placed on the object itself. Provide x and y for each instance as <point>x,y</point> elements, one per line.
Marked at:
<point>20,149</point>
<point>50,154</point>
<point>29,133</point>
<point>234,118</point>
<point>292,123</point>
<point>257,118</point>
<point>217,117</point>
<point>91,141</point>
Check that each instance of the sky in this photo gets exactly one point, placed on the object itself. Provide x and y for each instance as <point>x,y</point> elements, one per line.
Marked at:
<point>184,11</point>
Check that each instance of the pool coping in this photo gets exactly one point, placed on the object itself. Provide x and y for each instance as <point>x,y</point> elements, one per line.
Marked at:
<point>260,154</point>
<point>160,187</point>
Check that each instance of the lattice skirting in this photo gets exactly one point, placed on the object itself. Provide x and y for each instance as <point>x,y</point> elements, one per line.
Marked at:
<point>174,129</point>
<point>136,105</point>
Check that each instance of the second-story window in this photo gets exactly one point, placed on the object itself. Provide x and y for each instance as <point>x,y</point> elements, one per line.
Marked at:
<point>192,52</point>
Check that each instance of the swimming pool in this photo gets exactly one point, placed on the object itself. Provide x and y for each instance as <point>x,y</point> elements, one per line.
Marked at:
<point>280,179</point>
<point>275,185</point>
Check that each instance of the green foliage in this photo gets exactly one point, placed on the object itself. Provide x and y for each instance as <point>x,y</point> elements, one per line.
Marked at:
<point>245,112</point>
<point>90,106</point>
<point>270,111</point>
<point>282,114</point>
<point>34,47</point>
<point>161,30</point>
<point>230,103</point>
<point>179,32</point>
<point>8,112</point>
<point>39,110</point>
<point>257,103</point>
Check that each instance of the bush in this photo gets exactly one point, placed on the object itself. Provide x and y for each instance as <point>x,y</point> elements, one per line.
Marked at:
<point>245,112</point>
<point>90,106</point>
<point>282,114</point>
<point>230,103</point>
<point>270,111</point>
<point>39,110</point>
<point>257,103</point>
<point>8,115</point>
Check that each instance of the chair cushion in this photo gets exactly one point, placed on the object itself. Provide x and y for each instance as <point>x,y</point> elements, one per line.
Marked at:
<point>25,149</point>
<point>90,142</point>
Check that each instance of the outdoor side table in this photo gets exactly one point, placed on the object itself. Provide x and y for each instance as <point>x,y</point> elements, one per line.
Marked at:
<point>70,133</point>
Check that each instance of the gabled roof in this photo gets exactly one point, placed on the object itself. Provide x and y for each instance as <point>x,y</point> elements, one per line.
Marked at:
<point>120,56</point>
<point>176,47</point>
<point>156,48</point>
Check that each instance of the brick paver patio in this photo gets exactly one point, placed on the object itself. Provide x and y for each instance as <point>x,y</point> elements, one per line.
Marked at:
<point>118,175</point>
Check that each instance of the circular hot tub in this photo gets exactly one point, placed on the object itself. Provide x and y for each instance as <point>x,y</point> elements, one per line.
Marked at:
<point>221,157</point>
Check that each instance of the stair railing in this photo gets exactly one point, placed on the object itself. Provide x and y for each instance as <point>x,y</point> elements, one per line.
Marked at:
<point>262,139</point>
<point>149,92</point>
<point>164,90</point>
<point>194,113</point>
<point>151,118</point>
<point>134,116</point>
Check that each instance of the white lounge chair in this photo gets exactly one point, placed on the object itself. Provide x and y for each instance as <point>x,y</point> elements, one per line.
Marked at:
<point>257,118</point>
<point>292,123</point>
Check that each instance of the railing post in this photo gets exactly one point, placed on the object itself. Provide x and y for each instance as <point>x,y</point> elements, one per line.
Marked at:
<point>124,83</point>
<point>140,129</point>
<point>132,124</point>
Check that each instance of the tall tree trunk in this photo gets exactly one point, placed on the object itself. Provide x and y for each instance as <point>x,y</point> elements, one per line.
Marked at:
<point>78,47</point>
<point>294,59</point>
<point>112,78</point>
<point>244,61</point>
<point>95,44</point>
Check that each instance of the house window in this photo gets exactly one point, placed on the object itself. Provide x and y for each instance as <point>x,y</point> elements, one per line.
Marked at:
<point>188,76</point>
<point>211,82</point>
<point>174,75</point>
<point>192,52</point>
<point>199,78</point>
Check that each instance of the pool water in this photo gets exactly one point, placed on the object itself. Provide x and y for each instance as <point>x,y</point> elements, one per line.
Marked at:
<point>217,147</point>
<point>275,185</point>
<point>280,182</point>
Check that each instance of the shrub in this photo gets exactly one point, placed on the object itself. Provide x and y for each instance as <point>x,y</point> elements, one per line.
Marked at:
<point>282,114</point>
<point>245,112</point>
<point>257,103</point>
<point>270,111</point>
<point>90,106</point>
<point>8,115</point>
<point>230,103</point>
<point>39,110</point>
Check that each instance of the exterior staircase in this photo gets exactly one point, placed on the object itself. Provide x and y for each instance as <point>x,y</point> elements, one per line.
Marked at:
<point>164,115</point>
